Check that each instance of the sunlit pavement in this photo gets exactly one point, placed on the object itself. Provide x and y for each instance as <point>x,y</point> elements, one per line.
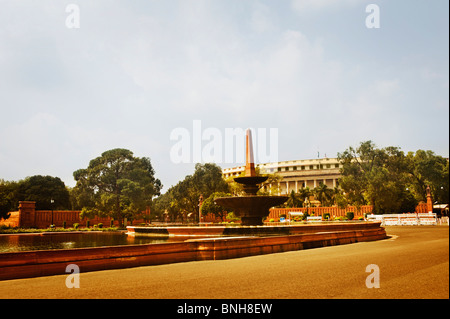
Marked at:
<point>412,263</point>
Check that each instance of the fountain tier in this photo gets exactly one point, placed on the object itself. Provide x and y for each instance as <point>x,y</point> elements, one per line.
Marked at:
<point>251,208</point>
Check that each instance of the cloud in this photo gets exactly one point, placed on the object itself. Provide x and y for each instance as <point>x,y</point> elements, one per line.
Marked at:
<point>314,6</point>
<point>135,71</point>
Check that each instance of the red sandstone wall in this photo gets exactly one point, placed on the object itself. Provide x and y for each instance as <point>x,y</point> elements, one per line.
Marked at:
<point>333,211</point>
<point>12,221</point>
<point>44,218</point>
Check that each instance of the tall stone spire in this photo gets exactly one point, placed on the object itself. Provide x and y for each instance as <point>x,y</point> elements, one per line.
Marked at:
<point>249,159</point>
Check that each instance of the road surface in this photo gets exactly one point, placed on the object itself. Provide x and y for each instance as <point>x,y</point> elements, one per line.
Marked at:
<point>412,263</point>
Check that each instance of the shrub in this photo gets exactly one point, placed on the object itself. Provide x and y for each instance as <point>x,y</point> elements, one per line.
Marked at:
<point>350,215</point>
<point>76,225</point>
<point>326,216</point>
<point>100,225</point>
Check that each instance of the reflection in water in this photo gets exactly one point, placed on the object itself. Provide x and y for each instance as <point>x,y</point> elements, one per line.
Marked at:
<point>27,242</point>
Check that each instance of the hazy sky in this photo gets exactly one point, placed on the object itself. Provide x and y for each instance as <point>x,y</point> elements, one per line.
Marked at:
<point>134,71</point>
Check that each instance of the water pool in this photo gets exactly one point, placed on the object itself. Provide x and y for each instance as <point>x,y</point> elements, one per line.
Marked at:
<point>44,241</point>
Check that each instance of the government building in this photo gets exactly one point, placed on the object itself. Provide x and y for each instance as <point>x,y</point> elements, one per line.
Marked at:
<point>297,174</point>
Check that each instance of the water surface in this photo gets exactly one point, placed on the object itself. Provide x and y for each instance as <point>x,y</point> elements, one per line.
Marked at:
<point>45,241</point>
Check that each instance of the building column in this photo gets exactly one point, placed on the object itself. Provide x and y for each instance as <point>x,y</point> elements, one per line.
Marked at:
<point>287,188</point>
<point>296,186</point>
<point>334,182</point>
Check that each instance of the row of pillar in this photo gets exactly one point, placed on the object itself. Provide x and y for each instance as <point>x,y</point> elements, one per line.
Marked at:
<point>301,184</point>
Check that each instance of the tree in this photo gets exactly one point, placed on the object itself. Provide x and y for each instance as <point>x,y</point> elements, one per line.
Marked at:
<point>116,184</point>
<point>428,169</point>
<point>210,207</point>
<point>323,194</point>
<point>42,190</point>
<point>294,200</point>
<point>8,200</point>
<point>304,194</point>
<point>183,198</point>
<point>378,177</point>
<point>271,184</point>
<point>165,204</point>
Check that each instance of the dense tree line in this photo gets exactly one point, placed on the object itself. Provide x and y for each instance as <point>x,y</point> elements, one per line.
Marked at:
<point>386,178</point>
<point>115,184</point>
<point>119,185</point>
<point>47,191</point>
<point>390,180</point>
<point>182,200</point>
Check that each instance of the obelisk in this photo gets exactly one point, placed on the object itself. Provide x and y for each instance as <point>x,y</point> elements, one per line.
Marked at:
<point>249,159</point>
<point>252,208</point>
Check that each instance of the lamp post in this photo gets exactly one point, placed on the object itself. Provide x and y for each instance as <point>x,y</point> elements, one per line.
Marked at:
<point>51,204</point>
<point>200,202</point>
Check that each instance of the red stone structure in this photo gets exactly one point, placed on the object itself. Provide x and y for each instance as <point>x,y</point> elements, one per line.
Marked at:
<point>275,213</point>
<point>28,264</point>
<point>429,201</point>
<point>28,217</point>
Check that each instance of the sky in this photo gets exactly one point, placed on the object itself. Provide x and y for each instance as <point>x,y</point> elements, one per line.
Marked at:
<point>78,78</point>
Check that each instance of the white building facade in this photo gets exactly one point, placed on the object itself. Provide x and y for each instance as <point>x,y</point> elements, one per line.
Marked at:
<point>297,174</point>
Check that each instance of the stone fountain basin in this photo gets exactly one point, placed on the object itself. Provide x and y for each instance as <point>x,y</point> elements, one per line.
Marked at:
<point>250,180</point>
<point>251,208</point>
<point>252,203</point>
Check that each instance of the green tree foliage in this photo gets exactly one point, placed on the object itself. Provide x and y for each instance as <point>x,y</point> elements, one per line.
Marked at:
<point>294,200</point>
<point>43,189</point>
<point>324,194</point>
<point>183,198</point>
<point>115,184</point>
<point>390,180</point>
<point>8,201</point>
<point>38,188</point>
<point>426,168</point>
<point>210,207</point>
<point>299,198</point>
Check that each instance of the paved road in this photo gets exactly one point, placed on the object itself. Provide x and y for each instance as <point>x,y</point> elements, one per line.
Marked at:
<point>413,263</point>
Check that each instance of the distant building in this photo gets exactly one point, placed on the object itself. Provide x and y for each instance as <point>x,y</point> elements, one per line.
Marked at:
<point>297,174</point>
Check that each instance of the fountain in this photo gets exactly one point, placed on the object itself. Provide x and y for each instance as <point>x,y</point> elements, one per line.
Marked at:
<point>250,207</point>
